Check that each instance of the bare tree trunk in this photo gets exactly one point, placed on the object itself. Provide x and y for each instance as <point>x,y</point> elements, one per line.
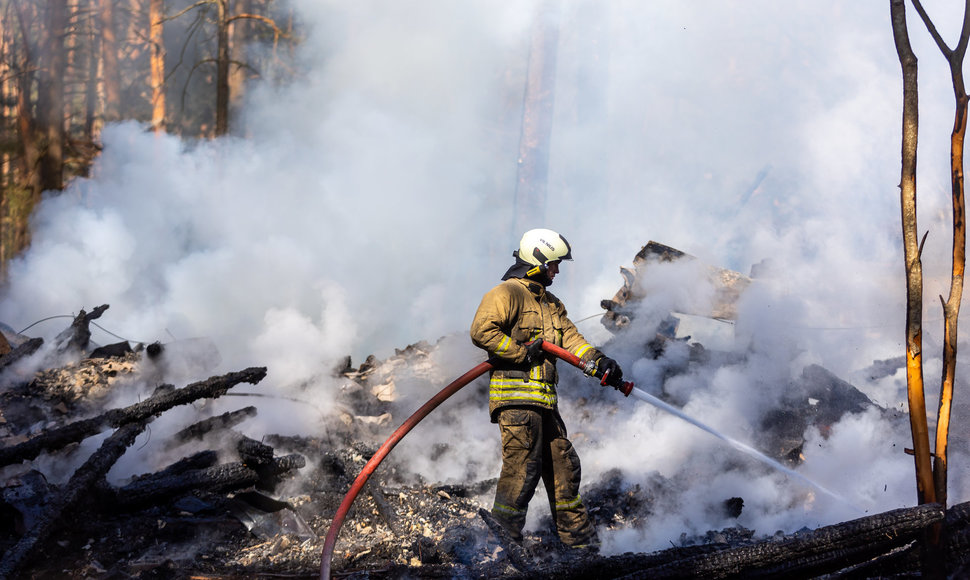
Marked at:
<point>951,308</point>
<point>912,248</point>
<point>26,123</point>
<point>109,61</point>
<point>222,69</point>
<point>156,28</point>
<point>91,79</point>
<point>51,92</point>
<point>50,105</point>
<point>240,33</point>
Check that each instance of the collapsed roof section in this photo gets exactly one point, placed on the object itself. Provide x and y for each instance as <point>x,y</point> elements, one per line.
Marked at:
<point>708,320</point>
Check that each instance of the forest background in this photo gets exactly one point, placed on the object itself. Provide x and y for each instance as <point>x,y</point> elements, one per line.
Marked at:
<point>67,67</point>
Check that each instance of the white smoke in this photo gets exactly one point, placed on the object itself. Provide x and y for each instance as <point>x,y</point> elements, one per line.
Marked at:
<point>371,202</point>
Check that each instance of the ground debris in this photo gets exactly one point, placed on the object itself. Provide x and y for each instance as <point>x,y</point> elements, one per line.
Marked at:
<point>242,507</point>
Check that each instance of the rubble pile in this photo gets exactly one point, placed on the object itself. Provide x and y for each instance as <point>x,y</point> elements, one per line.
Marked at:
<point>232,506</point>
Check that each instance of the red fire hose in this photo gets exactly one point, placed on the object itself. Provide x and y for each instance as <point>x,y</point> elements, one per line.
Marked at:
<point>338,519</point>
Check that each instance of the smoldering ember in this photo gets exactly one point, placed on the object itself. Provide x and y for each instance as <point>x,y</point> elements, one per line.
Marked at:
<point>233,506</point>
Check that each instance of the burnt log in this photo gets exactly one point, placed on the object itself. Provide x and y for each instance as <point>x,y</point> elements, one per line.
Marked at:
<point>199,460</point>
<point>254,453</point>
<point>152,407</point>
<point>197,431</point>
<point>820,551</point>
<point>151,490</point>
<point>802,555</point>
<point>23,350</point>
<point>79,487</point>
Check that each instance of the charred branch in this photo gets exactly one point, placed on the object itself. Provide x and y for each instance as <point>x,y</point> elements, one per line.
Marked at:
<point>78,335</point>
<point>218,479</point>
<point>385,510</point>
<point>156,405</point>
<point>75,490</point>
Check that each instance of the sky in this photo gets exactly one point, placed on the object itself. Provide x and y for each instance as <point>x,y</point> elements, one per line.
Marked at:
<point>369,205</point>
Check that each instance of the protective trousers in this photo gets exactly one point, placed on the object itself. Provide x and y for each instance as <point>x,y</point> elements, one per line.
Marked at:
<point>534,446</point>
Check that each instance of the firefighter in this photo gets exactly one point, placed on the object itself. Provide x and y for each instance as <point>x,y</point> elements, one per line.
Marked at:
<point>512,320</point>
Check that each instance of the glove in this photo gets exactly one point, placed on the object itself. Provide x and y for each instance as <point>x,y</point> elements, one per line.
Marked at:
<point>534,351</point>
<point>606,365</point>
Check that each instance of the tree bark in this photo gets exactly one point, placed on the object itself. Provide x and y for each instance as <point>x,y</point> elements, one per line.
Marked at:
<point>156,27</point>
<point>222,68</point>
<point>110,72</point>
<point>51,109</point>
<point>914,270</point>
<point>951,307</point>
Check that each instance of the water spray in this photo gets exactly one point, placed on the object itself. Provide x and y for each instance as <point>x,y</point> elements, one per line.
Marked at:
<point>627,388</point>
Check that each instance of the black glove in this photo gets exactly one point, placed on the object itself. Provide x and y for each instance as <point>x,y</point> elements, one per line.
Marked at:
<point>607,365</point>
<point>534,351</point>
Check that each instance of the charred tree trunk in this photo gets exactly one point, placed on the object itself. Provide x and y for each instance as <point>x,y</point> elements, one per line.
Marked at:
<point>951,307</point>
<point>57,438</point>
<point>914,270</point>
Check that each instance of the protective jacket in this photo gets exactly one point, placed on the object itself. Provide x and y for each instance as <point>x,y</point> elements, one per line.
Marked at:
<point>515,312</point>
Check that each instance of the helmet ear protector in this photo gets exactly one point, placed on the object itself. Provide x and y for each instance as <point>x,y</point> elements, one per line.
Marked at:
<point>542,268</point>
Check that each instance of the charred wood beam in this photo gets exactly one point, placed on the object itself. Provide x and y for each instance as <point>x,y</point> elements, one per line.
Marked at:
<point>824,550</point>
<point>77,489</point>
<point>78,336</point>
<point>152,407</point>
<point>517,554</point>
<point>221,478</point>
<point>197,431</point>
<point>804,555</point>
<point>23,350</point>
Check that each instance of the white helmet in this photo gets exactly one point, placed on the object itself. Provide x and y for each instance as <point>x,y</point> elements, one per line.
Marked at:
<point>539,247</point>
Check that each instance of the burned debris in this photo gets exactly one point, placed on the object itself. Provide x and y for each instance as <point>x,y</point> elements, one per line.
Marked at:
<point>227,504</point>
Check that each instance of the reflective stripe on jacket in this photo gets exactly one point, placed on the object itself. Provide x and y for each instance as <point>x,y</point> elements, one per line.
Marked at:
<point>515,312</point>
